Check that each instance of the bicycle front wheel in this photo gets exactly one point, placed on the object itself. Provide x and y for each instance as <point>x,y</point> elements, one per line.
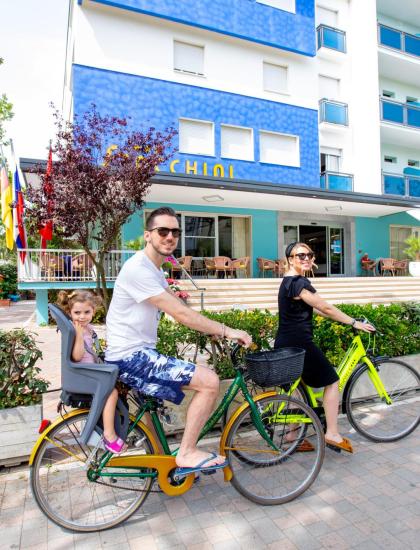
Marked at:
<point>371,415</point>
<point>268,476</point>
<point>66,492</point>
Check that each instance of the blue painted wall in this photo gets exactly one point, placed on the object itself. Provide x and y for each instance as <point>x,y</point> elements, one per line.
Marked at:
<point>158,103</point>
<point>245,19</point>
<point>372,235</point>
<point>264,227</point>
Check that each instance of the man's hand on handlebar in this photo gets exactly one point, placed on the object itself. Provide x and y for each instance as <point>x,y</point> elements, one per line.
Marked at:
<point>240,336</point>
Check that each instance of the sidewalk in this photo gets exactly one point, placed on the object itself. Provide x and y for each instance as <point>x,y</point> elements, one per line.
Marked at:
<point>368,500</point>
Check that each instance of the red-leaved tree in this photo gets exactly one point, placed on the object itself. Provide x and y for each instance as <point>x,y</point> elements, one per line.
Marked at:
<point>100,178</point>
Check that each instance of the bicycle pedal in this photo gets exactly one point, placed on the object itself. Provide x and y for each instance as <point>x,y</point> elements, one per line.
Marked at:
<point>333,448</point>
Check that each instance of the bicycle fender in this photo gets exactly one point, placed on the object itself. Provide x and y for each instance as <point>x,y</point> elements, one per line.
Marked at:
<point>347,386</point>
<point>70,415</point>
<point>228,474</point>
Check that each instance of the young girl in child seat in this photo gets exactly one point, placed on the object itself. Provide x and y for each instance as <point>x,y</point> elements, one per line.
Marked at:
<point>81,306</point>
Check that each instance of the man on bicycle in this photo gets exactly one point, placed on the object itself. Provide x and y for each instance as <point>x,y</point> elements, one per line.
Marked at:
<point>141,292</point>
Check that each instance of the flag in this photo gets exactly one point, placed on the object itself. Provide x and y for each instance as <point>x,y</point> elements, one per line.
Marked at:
<point>19,211</point>
<point>46,230</point>
<point>6,208</point>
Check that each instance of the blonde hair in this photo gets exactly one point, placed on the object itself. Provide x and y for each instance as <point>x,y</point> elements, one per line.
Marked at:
<point>66,300</point>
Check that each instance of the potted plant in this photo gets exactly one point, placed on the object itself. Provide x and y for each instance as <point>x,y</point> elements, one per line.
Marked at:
<point>21,391</point>
<point>413,251</point>
<point>8,282</point>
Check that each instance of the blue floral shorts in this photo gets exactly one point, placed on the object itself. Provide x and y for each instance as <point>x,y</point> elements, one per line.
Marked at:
<point>152,373</point>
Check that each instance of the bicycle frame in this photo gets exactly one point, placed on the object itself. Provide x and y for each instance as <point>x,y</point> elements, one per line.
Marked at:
<point>355,355</point>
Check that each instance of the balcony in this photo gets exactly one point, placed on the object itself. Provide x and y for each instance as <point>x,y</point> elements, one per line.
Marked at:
<point>334,181</point>
<point>333,112</point>
<point>331,38</point>
<point>399,40</point>
<point>395,112</point>
<point>400,185</point>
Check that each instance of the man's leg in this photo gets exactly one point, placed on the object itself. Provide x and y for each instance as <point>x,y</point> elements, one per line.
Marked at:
<point>205,383</point>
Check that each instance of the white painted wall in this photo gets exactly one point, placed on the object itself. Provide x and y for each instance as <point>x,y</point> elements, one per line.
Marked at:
<point>133,43</point>
<point>401,89</point>
<point>402,154</point>
<point>412,28</point>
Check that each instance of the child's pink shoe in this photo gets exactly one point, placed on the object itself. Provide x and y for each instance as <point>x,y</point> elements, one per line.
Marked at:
<point>115,446</point>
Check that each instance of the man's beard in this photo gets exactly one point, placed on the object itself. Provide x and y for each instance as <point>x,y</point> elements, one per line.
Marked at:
<point>162,253</point>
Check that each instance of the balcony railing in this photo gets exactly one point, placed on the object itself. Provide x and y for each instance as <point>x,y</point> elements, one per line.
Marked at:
<point>398,40</point>
<point>400,185</point>
<point>333,112</point>
<point>400,113</point>
<point>334,181</point>
<point>68,265</point>
<point>329,37</point>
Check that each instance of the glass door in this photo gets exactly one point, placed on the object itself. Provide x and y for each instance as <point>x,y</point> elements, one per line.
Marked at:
<point>336,251</point>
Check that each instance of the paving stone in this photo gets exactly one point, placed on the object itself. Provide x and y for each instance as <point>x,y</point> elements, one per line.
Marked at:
<point>193,537</point>
<point>169,540</point>
<point>333,540</point>
<point>302,538</point>
<point>218,533</point>
<point>267,530</point>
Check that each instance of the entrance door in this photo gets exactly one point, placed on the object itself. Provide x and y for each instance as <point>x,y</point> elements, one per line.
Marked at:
<point>315,236</point>
<point>336,246</point>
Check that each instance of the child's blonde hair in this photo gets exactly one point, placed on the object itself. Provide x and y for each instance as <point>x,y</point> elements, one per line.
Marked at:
<point>66,300</point>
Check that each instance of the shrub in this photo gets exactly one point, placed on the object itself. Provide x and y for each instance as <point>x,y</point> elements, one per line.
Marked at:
<point>19,381</point>
<point>9,283</point>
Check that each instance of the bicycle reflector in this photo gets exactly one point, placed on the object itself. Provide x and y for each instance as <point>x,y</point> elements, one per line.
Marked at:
<point>44,425</point>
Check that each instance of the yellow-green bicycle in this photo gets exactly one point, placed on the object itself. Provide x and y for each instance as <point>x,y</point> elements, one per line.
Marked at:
<point>381,395</point>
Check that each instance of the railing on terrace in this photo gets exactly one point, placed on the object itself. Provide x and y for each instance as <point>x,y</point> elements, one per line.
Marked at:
<point>400,185</point>
<point>334,112</point>
<point>335,181</point>
<point>400,113</point>
<point>330,37</point>
<point>398,40</point>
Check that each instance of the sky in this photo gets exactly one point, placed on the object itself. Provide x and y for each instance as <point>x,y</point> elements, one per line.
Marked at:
<point>32,44</point>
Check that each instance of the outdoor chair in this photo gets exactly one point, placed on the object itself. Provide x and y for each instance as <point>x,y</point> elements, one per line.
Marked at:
<point>210,266</point>
<point>184,262</point>
<point>86,384</point>
<point>281,267</point>
<point>222,264</point>
<point>52,265</point>
<point>387,266</point>
<point>266,266</point>
<point>401,267</point>
<point>240,264</point>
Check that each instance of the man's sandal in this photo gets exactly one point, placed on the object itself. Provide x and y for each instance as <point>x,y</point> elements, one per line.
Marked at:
<point>344,445</point>
<point>207,470</point>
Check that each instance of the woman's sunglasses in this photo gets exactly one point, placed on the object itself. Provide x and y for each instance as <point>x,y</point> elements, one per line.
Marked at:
<point>302,256</point>
<point>164,231</point>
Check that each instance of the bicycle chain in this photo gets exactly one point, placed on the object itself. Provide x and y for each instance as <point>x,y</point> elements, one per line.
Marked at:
<point>126,488</point>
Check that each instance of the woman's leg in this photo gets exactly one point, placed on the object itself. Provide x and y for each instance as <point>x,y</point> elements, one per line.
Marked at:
<point>331,403</point>
<point>108,416</point>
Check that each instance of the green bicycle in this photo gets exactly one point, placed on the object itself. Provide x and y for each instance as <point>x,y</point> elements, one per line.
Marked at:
<point>381,395</point>
<point>84,488</point>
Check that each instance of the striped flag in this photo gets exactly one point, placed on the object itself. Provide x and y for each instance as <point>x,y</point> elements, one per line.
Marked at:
<point>19,211</point>
<point>46,230</point>
<point>6,205</point>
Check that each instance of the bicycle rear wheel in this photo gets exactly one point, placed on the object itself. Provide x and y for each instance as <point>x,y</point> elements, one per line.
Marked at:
<point>61,486</point>
<point>371,416</point>
<point>264,475</point>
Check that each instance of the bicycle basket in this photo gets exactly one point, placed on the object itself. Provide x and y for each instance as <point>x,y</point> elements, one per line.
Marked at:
<point>275,367</point>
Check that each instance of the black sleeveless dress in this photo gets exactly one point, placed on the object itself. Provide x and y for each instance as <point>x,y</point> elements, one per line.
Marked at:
<point>295,330</point>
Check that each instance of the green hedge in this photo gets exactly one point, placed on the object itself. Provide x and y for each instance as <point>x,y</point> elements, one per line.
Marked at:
<point>398,324</point>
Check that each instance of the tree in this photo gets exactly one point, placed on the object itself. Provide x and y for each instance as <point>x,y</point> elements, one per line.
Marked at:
<point>100,178</point>
<point>6,113</point>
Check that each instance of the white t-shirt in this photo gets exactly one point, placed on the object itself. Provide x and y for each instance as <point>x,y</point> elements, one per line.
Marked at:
<point>132,321</point>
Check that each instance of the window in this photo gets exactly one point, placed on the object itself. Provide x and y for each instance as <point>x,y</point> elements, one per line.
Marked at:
<point>188,58</point>
<point>280,149</point>
<point>398,234</point>
<point>275,78</point>
<point>196,137</point>
<point>414,163</point>
<point>390,160</point>
<point>325,16</point>
<point>412,100</point>
<point>330,162</point>
<point>328,87</point>
<point>286,5</point>
<point>387,93</point>
<point>237,142</point>
<point>200,236</point>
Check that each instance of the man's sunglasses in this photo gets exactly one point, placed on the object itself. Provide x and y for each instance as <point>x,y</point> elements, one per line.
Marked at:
<point>164,231</point>
<point>302,256</point>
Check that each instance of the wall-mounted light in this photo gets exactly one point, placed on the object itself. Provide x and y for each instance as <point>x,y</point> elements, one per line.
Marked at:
<point>213,198</point>
<point>336,208</point>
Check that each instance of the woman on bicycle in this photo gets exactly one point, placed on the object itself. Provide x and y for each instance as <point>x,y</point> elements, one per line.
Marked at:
<point>297,301</point>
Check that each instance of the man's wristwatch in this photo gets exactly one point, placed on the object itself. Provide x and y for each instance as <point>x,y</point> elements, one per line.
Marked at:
<point>353,323</point>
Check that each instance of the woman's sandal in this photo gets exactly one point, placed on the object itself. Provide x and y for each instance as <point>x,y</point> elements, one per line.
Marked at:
<point>116,446</point>
<point>305,446</point>
<point>344,445</point>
